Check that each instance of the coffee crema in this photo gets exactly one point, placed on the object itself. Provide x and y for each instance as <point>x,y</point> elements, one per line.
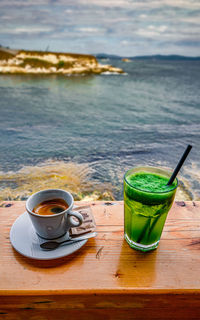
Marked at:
<point>51,207</point>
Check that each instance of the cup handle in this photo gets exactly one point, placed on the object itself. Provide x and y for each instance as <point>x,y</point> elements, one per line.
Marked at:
<point>71,221</point>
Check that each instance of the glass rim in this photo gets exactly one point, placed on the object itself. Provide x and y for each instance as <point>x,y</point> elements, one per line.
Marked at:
<point>146,191</point>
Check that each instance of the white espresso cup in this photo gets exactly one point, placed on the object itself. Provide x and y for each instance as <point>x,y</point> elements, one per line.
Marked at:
<point>53,226</point>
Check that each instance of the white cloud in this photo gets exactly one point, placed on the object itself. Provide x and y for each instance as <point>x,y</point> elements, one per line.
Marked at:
<point>69,11</point>
<point>20,3</point>
<point>162,28</point>
<point>89,29</point>
<point>143,16</point>
<point>158,29</point>
<point>187,4</point>
<point>22,30</point>
<point>147,33</point>
<point>151,27</point>
<point>125,42</point>
<point>106,3</point>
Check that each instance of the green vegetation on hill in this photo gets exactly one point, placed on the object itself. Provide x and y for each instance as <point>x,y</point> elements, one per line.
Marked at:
<point>64,64</point>
<point>58,54</point>
<point>4,55</point>
<point>36,63</point>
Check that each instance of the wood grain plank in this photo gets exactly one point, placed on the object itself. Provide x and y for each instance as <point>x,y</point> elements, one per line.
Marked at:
<point>137,306</point>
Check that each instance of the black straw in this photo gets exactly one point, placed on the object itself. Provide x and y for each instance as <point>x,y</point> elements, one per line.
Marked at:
<point>179,165</point>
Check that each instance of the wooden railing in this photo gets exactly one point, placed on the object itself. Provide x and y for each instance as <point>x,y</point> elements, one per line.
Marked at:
<point>106,279</point>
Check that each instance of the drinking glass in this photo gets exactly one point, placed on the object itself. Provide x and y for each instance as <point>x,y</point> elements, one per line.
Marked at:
<point>145,212</point>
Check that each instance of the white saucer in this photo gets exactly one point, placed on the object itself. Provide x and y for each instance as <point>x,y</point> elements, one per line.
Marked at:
<point>25,241</point>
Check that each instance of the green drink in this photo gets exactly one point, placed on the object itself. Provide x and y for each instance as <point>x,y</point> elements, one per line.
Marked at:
<point>147,200</point>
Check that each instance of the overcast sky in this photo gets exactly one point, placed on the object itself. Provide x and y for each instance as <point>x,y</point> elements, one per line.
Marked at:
<point>123,27</point>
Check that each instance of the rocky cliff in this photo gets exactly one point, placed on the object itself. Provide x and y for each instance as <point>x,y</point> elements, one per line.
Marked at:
<point>39,62</point>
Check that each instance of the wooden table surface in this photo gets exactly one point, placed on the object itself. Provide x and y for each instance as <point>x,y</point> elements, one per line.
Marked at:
<point>106,278</point>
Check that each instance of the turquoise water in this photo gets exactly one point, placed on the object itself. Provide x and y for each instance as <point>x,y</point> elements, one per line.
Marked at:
<point>111,122</point>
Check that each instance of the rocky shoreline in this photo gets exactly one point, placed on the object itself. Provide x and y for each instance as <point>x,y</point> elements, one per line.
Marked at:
<point>50,174</point>
<point>39,62</point>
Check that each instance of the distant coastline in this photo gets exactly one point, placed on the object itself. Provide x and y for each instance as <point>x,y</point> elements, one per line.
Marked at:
<point>147,57</point>
<point>40,62</point>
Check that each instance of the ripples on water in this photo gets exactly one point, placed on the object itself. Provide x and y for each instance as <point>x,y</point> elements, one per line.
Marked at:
<point>90,130</point>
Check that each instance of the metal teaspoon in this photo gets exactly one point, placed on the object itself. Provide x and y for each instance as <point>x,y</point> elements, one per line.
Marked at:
<point>51,245</point>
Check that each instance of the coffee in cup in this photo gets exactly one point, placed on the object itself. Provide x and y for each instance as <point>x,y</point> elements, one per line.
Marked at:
<point>50,207</point>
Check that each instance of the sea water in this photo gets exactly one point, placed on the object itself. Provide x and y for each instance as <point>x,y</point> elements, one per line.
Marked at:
<point>52,126</point>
